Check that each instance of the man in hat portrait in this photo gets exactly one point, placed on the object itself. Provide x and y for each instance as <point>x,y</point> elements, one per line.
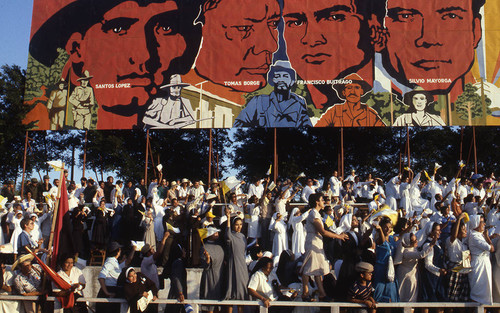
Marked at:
<point>130,47</point>
<point>172,112</point>
<point>82,100</point>
<point>281,108</point>
<point>350,113</point>
<point>56,105</point>
<point>418,101</point>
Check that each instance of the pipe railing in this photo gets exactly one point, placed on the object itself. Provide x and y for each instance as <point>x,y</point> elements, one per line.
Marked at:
<point>334,306</point>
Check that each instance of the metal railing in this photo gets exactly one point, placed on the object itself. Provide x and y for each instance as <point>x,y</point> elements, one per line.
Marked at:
<point>334,306</point>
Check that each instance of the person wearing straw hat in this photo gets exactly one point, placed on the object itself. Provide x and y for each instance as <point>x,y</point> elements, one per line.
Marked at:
<point>56,105</point>
<point>418,101</point>
<point>172,112</point>
<point>82,100</point>
<point>281,108</point>
<point>28,281</point>
<point>130,46</point>
<point>350,113</point>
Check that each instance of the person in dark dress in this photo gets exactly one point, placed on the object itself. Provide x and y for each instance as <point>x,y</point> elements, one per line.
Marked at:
<point>99,230</point>
<point>78,229</point>
<point>237,275</point>
<point>212,260</point>
<point>136,287</point>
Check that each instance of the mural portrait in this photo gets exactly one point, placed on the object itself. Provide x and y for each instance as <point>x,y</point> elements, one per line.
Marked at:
<point>124,64</point>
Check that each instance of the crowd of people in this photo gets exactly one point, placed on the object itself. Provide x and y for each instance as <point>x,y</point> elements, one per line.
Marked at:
<point>416,237</point>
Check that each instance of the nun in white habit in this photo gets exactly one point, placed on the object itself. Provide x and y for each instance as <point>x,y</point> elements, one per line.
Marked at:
<point>299,234</point>
<point>280,240</point>
<point>480,278</point>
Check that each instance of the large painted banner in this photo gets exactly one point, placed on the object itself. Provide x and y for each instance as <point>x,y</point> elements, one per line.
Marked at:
<point>123,64</point>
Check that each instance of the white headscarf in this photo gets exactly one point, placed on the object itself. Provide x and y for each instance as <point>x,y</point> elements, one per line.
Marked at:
<point>474,221</point>
<point>345,224</point>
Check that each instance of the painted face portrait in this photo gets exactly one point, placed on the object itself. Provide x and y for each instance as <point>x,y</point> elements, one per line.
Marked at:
<point>419,101</point>
<point>128,47</point>
<point>423,45</point>
<point>323,38</point>
<point>353,93</point>
<point>242,34</point>
<point>282,80</point>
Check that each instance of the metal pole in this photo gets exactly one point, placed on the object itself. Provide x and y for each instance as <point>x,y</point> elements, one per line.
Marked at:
<point>210,158</point>
<point>84,154</point>
<point>475,149</point>
<point>24,163</point>
<point>147,156</point>
<point>275,155</point>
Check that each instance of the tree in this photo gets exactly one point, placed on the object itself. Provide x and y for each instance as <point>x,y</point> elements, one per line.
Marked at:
<point>12,112</point>
<point>469,104</point>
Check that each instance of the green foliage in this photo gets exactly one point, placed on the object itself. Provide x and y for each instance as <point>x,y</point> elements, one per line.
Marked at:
<point>381,102</point>
<point>183,153</point>
<point>469,105</point>
<point>12,112</point>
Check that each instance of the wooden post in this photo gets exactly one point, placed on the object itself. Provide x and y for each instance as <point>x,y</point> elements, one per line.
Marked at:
<point>408,146</point>
<point>84,154</point>
<point>475,149</point>
<point>24,163</point>
<point>56,209</point>
<point>72,163</point>
<point>461,141</point>
<point>147,156</point>
<point>275,161</point>
<point>210,158</point>
<point>342,151</point>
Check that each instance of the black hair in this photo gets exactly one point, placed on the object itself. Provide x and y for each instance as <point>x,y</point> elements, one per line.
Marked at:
<point>313,198</point>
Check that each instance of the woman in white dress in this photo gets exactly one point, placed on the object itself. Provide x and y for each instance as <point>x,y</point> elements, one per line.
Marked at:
<point>419,102</point>
<point>280,240</point>
<point>480,278</point>
<point>299,234</point>
<point>406,258</point>
<point>252,219</point>
<point>315,263</point>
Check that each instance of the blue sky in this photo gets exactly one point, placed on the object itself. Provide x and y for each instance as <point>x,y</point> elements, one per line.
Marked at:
<point>15,24</point>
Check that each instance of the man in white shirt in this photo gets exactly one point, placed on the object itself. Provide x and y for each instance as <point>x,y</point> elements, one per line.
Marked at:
<point>335,184</point>
<point>312,185</point>
<point>256,189</point>
<point>352,176</point>
<point>197,189</point>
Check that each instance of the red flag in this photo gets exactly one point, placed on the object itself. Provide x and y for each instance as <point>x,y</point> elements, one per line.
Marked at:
<point>62,236</point>
<point>66,302</point>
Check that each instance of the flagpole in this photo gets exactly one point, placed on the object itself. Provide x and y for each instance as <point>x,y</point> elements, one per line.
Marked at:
<point>84,154</point>
<point>147,156</point>
<point>210,157</point>
<point>24,163</point>
<point>56,209</point>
